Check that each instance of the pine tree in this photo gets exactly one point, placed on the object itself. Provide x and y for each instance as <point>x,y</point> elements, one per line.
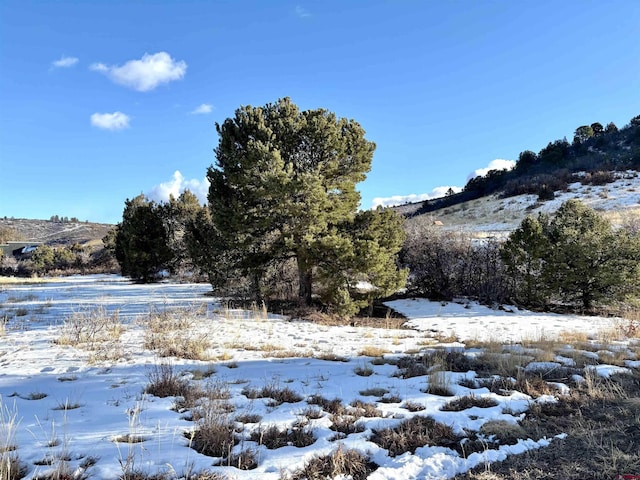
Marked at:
<point>284,187</point>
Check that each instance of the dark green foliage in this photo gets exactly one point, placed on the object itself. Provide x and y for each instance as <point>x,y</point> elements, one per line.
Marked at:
<point>177,216</point>
<point>575,257</point>
<point>43,259</point>
<point>583,133</point>
<point>284,188</point>
<point>594,148</point>
<point>142,243</point>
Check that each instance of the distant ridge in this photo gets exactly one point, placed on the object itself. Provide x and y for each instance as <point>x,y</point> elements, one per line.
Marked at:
<point>56,233</point>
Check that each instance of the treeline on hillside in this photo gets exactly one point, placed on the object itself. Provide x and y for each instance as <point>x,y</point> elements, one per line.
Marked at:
<point>595,149</point>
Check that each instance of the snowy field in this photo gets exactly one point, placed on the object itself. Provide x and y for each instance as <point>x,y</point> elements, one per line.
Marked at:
<point>82,407</point>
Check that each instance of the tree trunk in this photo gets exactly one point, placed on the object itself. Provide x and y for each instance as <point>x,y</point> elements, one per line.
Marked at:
<point>305,280</point>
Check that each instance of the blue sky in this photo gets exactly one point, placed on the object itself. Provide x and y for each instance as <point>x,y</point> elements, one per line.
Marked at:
<point>103,100</point>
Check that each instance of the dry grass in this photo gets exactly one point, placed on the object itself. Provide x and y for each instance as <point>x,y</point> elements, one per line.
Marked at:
<point>11,468</point>
<point>601,418</point>
<point>413,433</point>
<point>214,435</point>
<point>372,351</point>
<point>364,409</point>
<point>439,384</point>
<point>164,381</point>
<point>363,370</point>
<point>173,333</point>
<point>275,392</point>
<point>94,330</point>
<point>342,463</point>
<point>272,437</point>
<point>334,407</point>
<point>468,401</point>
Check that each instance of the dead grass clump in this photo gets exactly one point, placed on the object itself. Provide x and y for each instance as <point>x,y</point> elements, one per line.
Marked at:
<point>533,385</point>
<point>214,435</point>
<point>164,381</point>
<point>87,327</point>
<point>501,363</point>
<point>374,392</point>
<point>346,424</point>
<point>503,432</point>
<point>603,434</point>
<point>171,333</point>
<point>248,418</point>
<point>413,406</point>
<point>468,401</point>
<point>416,432</point>
<point>372,351</point>
<point>334,407</point>
<point>344,463</point>
<point>439,384</point>
<point>272,437</point>
<point>497,384</point>
<point>273,391</point>
<point>363,370</point>
<point>244,460</point>
<point>312,413</point>
<point>367,410</point>
<point>331,357</point>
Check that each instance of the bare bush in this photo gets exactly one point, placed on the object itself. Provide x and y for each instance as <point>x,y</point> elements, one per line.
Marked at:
<point>447,264</point>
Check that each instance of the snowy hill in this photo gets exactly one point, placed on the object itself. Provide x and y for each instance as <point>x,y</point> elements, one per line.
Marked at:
<point>494,216</point>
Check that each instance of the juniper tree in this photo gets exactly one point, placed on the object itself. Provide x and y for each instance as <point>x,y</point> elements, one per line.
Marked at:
<point>141,241</point>
<point>284,187</point>
<point>576,256</point>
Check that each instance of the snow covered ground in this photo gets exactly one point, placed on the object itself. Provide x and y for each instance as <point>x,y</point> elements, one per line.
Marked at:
<point>64,406</point>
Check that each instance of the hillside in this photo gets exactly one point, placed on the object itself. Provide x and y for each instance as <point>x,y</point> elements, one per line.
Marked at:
<point>496,216</point>
<point>56,233</point>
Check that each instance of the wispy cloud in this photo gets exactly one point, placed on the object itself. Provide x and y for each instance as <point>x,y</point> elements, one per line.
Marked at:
<point>177,185</point>
<point>412,198</point>
<point>110,121</point>
<point>145,74</point>
<point>65,62</point>
<point>202,109</point>
<point>302,12</point>
<point>497,164</point>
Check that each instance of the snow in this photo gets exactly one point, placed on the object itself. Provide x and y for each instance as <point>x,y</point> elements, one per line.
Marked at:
<point>466,320</point>
<point>248,349</point>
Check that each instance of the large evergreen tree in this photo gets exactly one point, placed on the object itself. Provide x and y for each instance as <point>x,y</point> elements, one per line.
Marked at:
<point>284,187</point>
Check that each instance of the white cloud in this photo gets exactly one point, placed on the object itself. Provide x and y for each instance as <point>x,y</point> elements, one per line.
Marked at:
<point>302,12</point>
<point>412,198</point>
<point>497,164</point>
<point>177,185</point>
<point>110,121</point>
<point>65,62</point>
<point>203,109</point>
<point>145,74</point>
